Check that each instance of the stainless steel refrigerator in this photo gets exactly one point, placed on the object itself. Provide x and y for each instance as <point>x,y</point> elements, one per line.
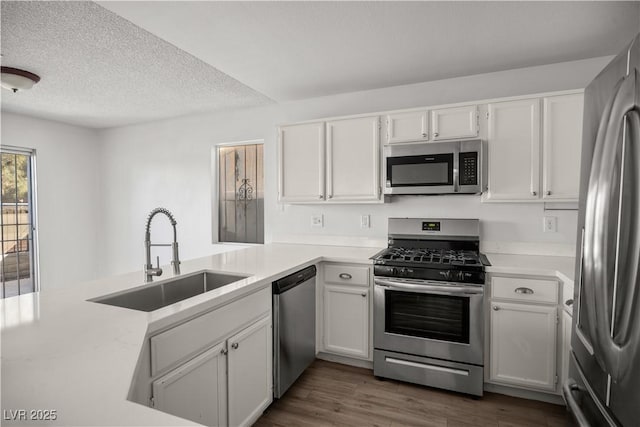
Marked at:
<point>604,375</point>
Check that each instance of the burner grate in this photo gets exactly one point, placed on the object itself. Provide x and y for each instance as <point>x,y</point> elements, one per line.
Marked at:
<point>430,256</point>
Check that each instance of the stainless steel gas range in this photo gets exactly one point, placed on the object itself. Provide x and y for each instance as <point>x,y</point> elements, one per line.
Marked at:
<point>428,304</point>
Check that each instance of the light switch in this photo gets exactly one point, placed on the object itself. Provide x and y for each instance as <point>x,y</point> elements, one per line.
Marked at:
<point>365,221</point>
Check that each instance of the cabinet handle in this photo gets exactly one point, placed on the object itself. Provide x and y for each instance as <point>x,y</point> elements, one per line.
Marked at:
<point>320,197</point>
<point>534,193</point>
<point>548,192</point>
<point>424,135</point>
<point>364,294</point>
<point>223,351</point>
<point>345,276</point>
<point>569,302</point>
<point>435,134</point>
<point>527,291</point>
<point>496,308</point>
<point>331,196</point>
<point>234,345</point>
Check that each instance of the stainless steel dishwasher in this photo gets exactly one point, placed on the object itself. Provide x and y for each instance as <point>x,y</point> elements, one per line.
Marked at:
<point>294,327</point>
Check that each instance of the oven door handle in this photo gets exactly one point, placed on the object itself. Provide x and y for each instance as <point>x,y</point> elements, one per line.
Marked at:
<point>428,287</point>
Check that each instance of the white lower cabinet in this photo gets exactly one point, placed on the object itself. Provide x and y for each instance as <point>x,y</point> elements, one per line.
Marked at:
<point>250,376</point>
<point>523,345</point>
<point>229,384</point>
<point>216,369</point>
<point>346,320</point>
<point>196,390</point>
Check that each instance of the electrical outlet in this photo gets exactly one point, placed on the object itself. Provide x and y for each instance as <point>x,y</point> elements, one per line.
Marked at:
<point>550,224</point>
<point>317,220</point>
<point>365,221</point>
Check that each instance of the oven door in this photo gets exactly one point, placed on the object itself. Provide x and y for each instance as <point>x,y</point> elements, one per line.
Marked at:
<point>427,318</point>
<point>421,174</point>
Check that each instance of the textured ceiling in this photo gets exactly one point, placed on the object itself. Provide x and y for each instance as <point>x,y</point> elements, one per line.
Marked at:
<point>133,61</point>
<point>295,50</point>
<point>100,70</point>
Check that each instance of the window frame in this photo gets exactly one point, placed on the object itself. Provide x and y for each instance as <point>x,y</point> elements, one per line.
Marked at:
<point>215,196</point>
<point>33,208</point>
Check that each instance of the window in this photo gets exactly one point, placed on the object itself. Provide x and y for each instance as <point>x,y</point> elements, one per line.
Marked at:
<point>239,214</point>
<point>18,273</point>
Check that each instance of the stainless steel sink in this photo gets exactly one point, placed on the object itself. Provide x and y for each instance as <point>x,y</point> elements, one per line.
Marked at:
<point>152,297</point>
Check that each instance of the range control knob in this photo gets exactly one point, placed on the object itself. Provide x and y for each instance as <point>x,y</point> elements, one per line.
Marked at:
<point>446,274</point>
<point>460,276</point>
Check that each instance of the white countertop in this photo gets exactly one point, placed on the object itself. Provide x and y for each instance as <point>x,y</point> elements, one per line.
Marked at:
<point>60,352</point>
<point>561,267</point>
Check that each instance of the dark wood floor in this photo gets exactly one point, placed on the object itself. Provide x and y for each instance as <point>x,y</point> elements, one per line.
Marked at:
<point>333,394</point>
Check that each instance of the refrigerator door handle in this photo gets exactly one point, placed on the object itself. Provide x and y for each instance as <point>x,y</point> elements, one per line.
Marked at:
<point>570,387</point>
<point>614,356</point>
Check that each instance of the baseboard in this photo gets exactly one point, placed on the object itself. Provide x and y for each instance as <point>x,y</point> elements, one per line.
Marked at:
<point>524,394</point>
<point>358,363</point>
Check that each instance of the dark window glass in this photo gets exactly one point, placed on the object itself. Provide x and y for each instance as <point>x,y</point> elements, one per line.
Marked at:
<point>241,193</point>
<point>424,170</point>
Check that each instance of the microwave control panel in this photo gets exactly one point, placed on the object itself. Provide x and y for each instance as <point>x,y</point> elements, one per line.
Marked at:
<point>469,168</point>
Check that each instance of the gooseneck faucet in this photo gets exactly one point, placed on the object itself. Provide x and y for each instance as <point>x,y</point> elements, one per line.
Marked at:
<point>149,270</point>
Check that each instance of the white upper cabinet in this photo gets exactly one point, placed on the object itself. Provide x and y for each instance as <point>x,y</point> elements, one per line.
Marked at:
<point>514,150</point>
<point>301,166</point>
<point>353,159</point>
<point>562,143</point>
<point>407,127</point>
<point>454,123</point>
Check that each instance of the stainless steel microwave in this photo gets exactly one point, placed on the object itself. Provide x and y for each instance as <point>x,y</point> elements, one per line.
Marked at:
<point>454,167</point>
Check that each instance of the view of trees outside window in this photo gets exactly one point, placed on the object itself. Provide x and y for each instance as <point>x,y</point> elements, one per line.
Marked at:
<point>16,228</point>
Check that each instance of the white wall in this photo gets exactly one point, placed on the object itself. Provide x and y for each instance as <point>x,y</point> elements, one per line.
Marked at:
<point>167,163</point>
<point>67,196</point>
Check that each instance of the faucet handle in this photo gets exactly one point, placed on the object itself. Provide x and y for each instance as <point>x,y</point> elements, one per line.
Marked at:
<point>157,271</point>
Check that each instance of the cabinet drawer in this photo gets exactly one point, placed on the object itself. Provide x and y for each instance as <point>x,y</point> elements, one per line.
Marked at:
<point>526,290</point>
<point>346,274</point>
<point>188,339</point>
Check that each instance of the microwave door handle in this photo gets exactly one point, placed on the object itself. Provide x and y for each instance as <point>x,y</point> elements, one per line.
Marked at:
<point>456,180</point>
<point>456,169</point>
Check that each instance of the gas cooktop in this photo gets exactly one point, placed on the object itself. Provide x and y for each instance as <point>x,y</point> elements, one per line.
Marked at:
<point>428,249</point>
<point>428,256</point>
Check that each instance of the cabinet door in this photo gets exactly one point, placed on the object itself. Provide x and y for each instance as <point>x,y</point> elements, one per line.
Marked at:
<point>457,122</point>
<point>196,390</point>
<point>407,127</point>
<point>250,373</point>
<point>566,345</point>
<point>514,150</point>
<point>353,165</point>
<point>523,345</point>
<point>301,163</point>
<point>561,146</point>
<point>346,320</point>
